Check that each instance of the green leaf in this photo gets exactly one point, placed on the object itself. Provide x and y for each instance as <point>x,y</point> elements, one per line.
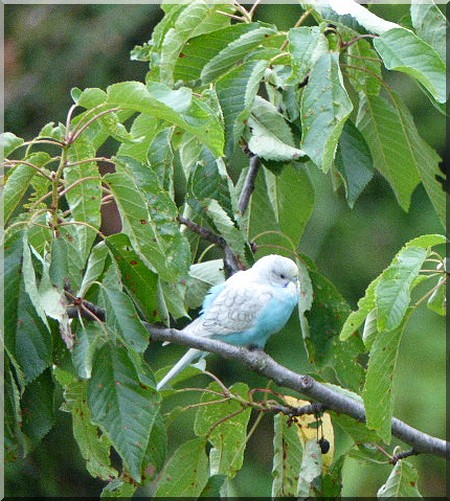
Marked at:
<point>88,98</point>
<point>146,127</point>
<point>364,67</point>
<point>403,51</point>
<point>118,488</point>
<point>271,137</point>
<point>377,392</point>
<point>94,267</point>
<point>18,183</point>
<point>186,473</point>
<point>235,51</point>
<point>227,436</point>
<point>233,236</point>
<point>87,340</point>
<point>59,266</point>
<point>95,449</point>
<point>393,292</point>
<point>306,45</point>
<point>394,153</point>
<point>402,482</point>
<point>324,108</point>
<point>196,19</point>
<point>236,92</point>
<point>160,156</point>
<point>123,319</point>
<point>140,282</point>
<point>353,162</point>
<point>365,305</point>
<point>136,96</point>
<point>155,454</point>
<point>287,458</point>
<point>10,143</point>
<point>85,198</point>
<point>202,49</point>
<point>123,407</point>
<point>274,204</point>
<point>38,407</point>
<point>426,160</point>
<point>213,487</point>
<point>430,25</point>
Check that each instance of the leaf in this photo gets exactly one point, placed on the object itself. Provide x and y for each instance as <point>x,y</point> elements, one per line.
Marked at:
<point>124,321</point>
<point>59,266</point>
<point>94,267</point>
<point>84,199</point>
<point>402,50</point>
<point>95,449</point>
<point>135,96</point>
<point>287,459</point>
<point>10,142</point>
<point>271,137</point>
<point>226,433</point>
<point>155,454</point>
<point>274,207</point>
<point>437,301</point>
<point>197,18</point>
<point>160,156</point>
<point>202,276</point>
<point>87,340</point>
<point>377,392</point>
<point>118,488</point>
<point>402,482</point>
<point>306,45</point>
<point>426,160</point>
<point>236,92</point>
<point>324,108</point>
<point>204,48</point>
<point>430,25</point>
<point>353,162</point>
<point>363,67</point>
<point>18,183</point>
<point>38,408</point>
<point>146,127</point>
<point>140,282</point>
<point>186,473</point>
<point>121,406</point>
<point>393,292</point>
<point>393,152</point>
<point>310,469</point>
<point>235,51</point>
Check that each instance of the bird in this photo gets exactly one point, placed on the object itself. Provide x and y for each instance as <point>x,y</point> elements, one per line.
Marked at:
<point>246,309</point>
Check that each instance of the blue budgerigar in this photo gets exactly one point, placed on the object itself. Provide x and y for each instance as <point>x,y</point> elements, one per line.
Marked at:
<point>246,309</point>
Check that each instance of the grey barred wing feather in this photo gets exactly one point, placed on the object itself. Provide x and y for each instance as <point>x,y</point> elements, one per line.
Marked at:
<point>234,310</point>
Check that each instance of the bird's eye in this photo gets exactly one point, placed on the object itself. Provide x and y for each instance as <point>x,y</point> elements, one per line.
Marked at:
<point>282,276</point>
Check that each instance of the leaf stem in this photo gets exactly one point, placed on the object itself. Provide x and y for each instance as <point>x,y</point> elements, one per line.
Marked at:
<point>12,163</point>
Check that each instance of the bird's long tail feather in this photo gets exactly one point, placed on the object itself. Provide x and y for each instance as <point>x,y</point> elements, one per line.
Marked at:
<point>184,361</point>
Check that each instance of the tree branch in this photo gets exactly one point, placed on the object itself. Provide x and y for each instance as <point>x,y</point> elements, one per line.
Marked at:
<point>260,362</point>
<point>249,186</point>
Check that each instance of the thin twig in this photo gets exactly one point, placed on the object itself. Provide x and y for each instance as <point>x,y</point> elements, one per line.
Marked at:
<point>249,186</point>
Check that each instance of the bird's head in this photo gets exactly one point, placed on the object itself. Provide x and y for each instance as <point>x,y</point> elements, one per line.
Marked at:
<point>279,271</point>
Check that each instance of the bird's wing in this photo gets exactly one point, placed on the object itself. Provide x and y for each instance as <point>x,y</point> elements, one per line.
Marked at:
<point>235,309</point>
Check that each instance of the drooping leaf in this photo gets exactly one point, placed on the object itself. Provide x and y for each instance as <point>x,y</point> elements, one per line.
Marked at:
<point>402,482</point>
<point>228,437</point>
<point>363,67</point>
<point>377,392</point>
<point>324,108</point>
<point>87,339</point>
<point>403,51</point>
<point>94,267</point>
<point>236,92</point>
<point>353,162</point>
<point>123,319</point>
<point>393,152</point>
<point>123,407</point>
<point>203,276</point>
<point>186,472</point>
<point>310,469</point>
<point>140,282</point>
<point>306,45</point>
